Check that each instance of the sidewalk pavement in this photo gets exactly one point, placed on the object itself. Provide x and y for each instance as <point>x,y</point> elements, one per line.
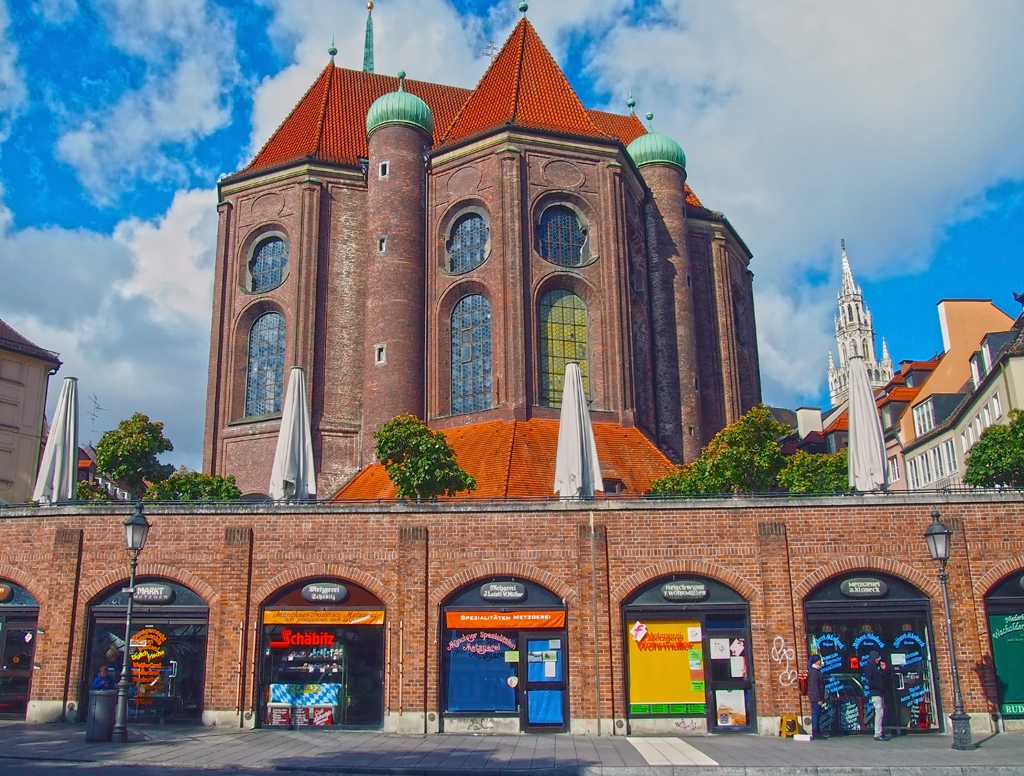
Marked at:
<point>59,748</point>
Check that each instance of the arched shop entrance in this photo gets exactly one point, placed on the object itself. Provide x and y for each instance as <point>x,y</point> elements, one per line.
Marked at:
<point>167,649</point>
<point>504,665</point>
<point>19,616</point>
<point>1004,605</point>
<point>688,665</point>
<point>850,615</point>
<point>322,657</point>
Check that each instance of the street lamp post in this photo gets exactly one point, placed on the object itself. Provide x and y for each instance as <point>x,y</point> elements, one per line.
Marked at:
<point>939,536</point>
<point>136,528</point>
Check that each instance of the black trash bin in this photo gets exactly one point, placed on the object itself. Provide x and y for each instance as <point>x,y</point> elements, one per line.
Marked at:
<point>99,723</point>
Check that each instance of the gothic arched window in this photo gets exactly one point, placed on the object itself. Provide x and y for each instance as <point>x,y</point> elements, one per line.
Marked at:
<point>563,338</point>
<point>264,383</point>
<point>865,351</point>
<point>471,355</point>
<point>467,243</point>
<point>561,237</point>
<point>849,313</point>
<point>268,264</point>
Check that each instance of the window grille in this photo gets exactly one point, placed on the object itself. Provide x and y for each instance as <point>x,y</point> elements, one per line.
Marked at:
<point>471,355</point>
<point>467,245</point>
<point>561,237</point>
<point>268,264</point>
<point>563,338</point>
<point>265,374</point>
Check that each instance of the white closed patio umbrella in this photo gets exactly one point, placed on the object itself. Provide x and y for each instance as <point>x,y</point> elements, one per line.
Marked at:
<point>866,453</point>
<point>292,476</point>
<point>58,470</point>
<point>577,471</point>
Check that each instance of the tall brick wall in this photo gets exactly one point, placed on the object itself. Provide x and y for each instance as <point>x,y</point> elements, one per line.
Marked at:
<point>772,551</point>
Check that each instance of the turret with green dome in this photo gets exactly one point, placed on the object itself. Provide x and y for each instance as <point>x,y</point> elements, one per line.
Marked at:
<point>400,107</point>
<point>656,148</point>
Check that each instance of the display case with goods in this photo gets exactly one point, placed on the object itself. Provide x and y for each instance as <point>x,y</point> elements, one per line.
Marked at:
<point>307,687</point>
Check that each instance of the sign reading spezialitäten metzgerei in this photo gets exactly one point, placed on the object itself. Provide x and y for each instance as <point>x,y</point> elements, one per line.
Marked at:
<point>503,591</point>
<point>684,591</point>
<point>863,587</point>
<point>153,594</point>
<point>325,593</point>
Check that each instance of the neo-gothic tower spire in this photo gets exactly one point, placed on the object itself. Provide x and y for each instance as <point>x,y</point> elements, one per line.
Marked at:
<point>855,336</point>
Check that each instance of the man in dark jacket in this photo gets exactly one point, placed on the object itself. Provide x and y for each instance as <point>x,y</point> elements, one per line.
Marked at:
<point>815,694</point>
<point>874,672</point>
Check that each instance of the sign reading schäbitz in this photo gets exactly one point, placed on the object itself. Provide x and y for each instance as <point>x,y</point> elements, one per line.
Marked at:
<point>863,587</point>
<point>325,592</point>
<point>684,591</point>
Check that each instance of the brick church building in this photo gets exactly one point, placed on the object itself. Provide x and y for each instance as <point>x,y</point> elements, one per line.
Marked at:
<point>427,249</point>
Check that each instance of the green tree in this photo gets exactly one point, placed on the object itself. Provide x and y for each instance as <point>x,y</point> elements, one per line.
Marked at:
<point>91,491</point>
<point>997,458</point>
<point>806,473</point>
<point>419,461</point>
<point>744,457</point>
<point>128,453</point>
<point>185,485</point>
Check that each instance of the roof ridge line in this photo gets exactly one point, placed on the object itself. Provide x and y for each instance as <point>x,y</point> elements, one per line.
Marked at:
<point>519,73</point>
<point>321,126</point>
<point>284,121</point>
<point>508,460</point>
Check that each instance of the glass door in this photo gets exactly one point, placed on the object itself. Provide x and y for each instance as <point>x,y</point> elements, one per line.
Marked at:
<point>17,649</point>
<point>728,676</point>
<point>544,706</point>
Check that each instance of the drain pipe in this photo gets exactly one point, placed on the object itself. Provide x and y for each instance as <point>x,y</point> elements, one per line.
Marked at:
<point>597,654</point>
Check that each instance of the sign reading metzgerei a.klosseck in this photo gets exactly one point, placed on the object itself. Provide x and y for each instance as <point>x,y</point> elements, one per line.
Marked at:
<point>325,593</point>
<point>863,587</point>
<point>684,591</point>
<point>153,594</point>
<point>503,591</point>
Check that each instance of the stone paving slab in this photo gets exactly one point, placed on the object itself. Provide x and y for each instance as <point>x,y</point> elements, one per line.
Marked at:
<point>56,749</point>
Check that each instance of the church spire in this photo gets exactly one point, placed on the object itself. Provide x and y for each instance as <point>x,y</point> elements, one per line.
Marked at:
<point>848,285</point>
<point>368,42</point>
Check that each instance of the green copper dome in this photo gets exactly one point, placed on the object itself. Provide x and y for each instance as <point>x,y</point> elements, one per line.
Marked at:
<point>656,148</point>
<point>400,108</point>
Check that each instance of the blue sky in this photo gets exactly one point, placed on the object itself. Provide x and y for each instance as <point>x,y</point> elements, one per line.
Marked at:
<point>895,126</point>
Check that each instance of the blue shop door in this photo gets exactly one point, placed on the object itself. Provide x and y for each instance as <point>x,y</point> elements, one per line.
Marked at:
<point>544,669</point>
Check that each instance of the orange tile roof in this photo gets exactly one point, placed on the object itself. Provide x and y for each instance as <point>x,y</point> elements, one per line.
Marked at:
<point>517,459</point>
<point>900,393</point>
<point>625,129</point>
<point>329,123</point>
<point>523,87</point>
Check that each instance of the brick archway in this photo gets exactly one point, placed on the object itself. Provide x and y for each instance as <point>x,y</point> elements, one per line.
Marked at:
<point>196,584</point>
<point>319,570</point>
<point>19,577</point>
<point>865,563</point>
<point>503,569</point>
<point>997,573</point>
<point>698,568</point>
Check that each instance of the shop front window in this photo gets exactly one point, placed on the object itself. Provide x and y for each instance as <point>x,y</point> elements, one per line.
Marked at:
<point>504,658</point>
<point>19,614</point>
<point>1005,609</point>
<point>851,616</point>
<point>167,650</point>
<point>688,658</point>
<point>322,657</point>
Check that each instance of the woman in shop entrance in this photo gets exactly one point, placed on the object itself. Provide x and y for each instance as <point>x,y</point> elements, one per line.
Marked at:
<point>816,695</point>
<point>875,674</point>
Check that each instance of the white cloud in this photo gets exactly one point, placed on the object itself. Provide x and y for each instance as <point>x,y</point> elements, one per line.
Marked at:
<point>12,80</point>
<point>188,47</point>
<point>805,122</point>
<point>56,12</point>
<point>129,312</point>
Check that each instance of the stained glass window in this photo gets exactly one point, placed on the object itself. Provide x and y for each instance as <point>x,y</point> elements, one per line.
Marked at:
<point>264,383</point>
<point>471,355</point>
<point>561,238</point>
<point>563,338</point>
<point>269,261</point>
<point>467,245</point>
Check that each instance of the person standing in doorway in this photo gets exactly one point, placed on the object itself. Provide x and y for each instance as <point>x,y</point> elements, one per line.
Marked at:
<point>874,672</point>
<point>816,695</point>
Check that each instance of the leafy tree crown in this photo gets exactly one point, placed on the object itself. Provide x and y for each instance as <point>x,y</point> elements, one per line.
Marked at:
<point>185,485</point>
<point>997,458</point>
<point>419,461</point>
<point>129,452</point>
